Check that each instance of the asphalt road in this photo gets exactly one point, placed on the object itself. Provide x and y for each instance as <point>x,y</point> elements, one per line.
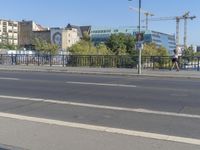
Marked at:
<point>175,103</point>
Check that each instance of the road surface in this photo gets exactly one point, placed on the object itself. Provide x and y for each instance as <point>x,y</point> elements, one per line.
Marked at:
<point>111,111</point>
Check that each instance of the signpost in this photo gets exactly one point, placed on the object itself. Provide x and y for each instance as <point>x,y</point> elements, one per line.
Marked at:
<point>139,37</point>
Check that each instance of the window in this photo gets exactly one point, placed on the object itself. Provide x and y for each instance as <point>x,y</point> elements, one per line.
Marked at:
<point>10,24</point>
<point>15,25</point>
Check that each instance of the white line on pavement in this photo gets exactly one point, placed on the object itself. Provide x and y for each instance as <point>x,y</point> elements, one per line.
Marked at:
<point>102,84</point>
<point>103,129</point>
<point>2,78</point>
<point>136,110</point>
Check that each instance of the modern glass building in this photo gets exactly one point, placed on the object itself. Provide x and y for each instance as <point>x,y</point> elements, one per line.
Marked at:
<point>101,34</point>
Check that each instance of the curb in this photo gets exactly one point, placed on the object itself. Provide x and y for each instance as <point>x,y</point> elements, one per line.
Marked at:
<point>98,73</point>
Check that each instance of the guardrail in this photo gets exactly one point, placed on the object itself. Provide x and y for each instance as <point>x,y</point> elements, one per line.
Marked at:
<point>104,61</point>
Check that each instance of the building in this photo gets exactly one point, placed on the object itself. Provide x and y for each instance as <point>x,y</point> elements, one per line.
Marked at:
<point>28,30</point>
<point>99,35</point>
<point>198,49</point>
<point>9,32</point>
<point>85,30</point>
<point>65,37</point>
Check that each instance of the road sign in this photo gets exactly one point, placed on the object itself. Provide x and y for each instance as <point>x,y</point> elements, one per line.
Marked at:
<point>139,46</point>
<point>139,37</point>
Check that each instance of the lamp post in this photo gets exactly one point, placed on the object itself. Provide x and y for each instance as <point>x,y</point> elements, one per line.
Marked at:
<point>139,32</point>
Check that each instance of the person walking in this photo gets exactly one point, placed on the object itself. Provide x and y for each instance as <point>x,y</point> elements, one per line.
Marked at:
<point>175,61</point>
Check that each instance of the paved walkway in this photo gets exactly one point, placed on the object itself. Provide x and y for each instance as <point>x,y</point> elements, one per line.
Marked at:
<point>105,71</point>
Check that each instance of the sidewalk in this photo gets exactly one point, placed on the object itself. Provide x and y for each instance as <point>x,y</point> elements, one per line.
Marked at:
<point>105,71</point>
<point>32,135</point>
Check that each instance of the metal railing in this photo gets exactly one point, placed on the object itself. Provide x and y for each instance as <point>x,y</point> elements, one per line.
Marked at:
<point>103,61</point>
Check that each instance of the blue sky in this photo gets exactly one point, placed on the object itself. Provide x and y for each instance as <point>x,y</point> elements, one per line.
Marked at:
<point>58,13</point>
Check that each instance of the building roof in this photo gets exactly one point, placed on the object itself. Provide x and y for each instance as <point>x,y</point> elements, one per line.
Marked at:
<point>85,29</point>
<point>69,27</point>
<point>81,29</point>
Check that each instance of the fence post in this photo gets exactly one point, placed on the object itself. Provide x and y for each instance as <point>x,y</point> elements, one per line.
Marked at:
<point>27,60</point>
<point>1,59</point>
<point>12,59</point>
<point>153,63</point>
<point>38,59</point>
<point>63,60</point>
<point>50,60</point>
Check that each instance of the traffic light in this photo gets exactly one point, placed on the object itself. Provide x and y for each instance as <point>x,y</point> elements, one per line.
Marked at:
<point>140,37</point>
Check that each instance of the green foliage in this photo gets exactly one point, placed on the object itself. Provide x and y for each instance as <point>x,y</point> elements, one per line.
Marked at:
<point>87,48</point>
<point>121,44</point>
<point>130,45</point>
<point>160,52</point>
<point>82,48</point>
<point>8,46</point>
<point>153,50</point>
<point>197,54</point>
<point>189,51</point>
<point>86,36</point>
<point>43,46</point>
<point>102,49</point>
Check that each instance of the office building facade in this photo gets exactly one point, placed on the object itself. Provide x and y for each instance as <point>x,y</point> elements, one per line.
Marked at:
<point>99,35</point>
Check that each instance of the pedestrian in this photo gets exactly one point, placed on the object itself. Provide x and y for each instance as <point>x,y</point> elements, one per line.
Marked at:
<point>175,60</point>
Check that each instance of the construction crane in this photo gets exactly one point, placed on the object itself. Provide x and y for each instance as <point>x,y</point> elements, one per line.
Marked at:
<point>184,17</point>
<point>147,14</point>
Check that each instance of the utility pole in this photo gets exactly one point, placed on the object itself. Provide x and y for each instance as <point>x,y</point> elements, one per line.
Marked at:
<point>140,49</point>
<point>177,30</point>
<point>139,42</point>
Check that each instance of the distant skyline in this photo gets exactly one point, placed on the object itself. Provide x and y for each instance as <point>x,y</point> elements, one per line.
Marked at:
<point>110,13</point>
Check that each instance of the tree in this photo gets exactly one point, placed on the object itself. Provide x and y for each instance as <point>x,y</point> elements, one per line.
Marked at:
<point>152,49</point>
<point>121,44</point>
<point>102,49</point>
<point>8,46</point>
<point>130,45</point>
<point>189,51</point>
<point>82,48</point>
<point>43,46</point>
<point>86,36</point>
<point>87,48</point>
<point>197,54</point>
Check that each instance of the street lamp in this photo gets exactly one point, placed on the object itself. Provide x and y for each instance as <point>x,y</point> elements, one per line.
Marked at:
<point>139,32</point>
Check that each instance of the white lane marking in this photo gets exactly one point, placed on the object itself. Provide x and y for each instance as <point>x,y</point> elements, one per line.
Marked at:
<point>136,110</point>
<point>104,129</point>
<point>102,84</point>
<point>2,78</point>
